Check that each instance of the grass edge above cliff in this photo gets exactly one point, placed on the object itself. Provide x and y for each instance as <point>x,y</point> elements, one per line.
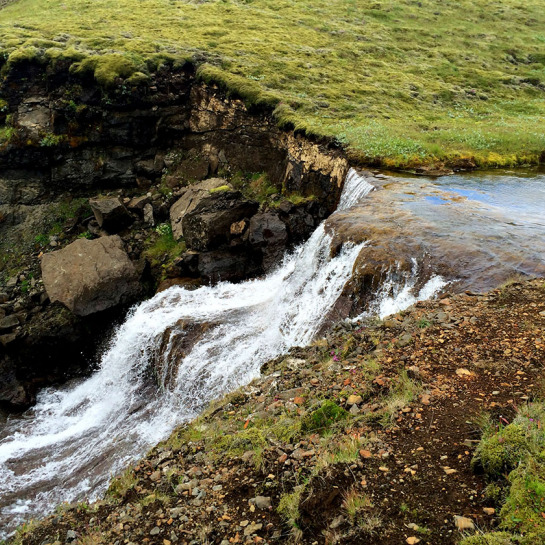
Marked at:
<point>388,82</point>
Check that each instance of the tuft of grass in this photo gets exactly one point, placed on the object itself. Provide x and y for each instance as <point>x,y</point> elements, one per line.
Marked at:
<point>496,538</point>
<point>288,506</point>
<point>402,393</point>
<point>121,485</point>
<point>355,503</point>
<point>256,186</point>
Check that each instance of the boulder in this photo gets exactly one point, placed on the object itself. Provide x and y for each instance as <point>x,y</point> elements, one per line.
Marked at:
<point>189,200</point>
<point>9,322</point>
<point>110,213</point>
<point>269,233</point>
<point>89,276</point>
<point>137,204</point>
<point>208,225</point>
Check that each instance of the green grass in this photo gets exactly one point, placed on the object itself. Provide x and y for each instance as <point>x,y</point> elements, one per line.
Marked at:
<point>513,460</point>
<point>397,82</point>
<point>162,248</point>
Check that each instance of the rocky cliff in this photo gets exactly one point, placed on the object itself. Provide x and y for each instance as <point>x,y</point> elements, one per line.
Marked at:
<point>79,161</point>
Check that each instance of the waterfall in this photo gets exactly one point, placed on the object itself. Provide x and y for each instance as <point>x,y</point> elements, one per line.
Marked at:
<point>76,437</point>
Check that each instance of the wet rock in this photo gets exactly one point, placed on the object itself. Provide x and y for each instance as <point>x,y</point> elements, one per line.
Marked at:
<point>3,298</point>
<point>269,233</point>
<point>190,199</point>
<point>185,266</point>
<point>228,265</point>
<point>89,276</point>
<point>111,214</point>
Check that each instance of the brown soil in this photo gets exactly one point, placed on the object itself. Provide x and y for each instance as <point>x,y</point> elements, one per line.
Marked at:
<point>407,458</point>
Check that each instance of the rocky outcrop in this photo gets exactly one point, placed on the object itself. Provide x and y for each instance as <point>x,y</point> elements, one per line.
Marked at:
<point>110,214</point>
<point>190,199</point>
<point>141,149</point>
<point>89,276</point>
<point>208,225</point>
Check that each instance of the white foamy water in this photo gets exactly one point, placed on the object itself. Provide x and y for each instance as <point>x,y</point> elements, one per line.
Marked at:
<point>76,437</point>
<point>395,295</point>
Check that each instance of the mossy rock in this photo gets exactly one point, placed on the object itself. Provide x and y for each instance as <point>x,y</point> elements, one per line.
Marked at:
<point>495,538</point>
<point>523,510</point>
<point>501,452</point>
<point>324,417</point>
<point>106,68</point>
<point>221,189</point>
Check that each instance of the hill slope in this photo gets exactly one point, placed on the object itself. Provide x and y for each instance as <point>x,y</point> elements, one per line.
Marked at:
<point>398,82</point>
<point>367,436</point>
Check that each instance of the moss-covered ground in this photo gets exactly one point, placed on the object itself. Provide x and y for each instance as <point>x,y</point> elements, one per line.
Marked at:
<point>397,82</point>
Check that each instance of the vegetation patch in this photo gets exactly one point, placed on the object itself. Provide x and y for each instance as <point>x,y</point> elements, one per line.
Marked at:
<point>514,455</point>
<point>397,83</point>
<point>162,248</point>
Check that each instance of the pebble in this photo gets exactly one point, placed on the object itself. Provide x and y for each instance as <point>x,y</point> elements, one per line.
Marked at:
<point>463,523</point>
<point>261,502</point>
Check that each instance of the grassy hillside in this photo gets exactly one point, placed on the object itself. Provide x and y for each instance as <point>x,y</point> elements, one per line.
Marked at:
<point>401,82</point>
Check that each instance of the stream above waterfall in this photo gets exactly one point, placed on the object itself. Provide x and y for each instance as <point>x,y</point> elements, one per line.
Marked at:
<point>472,231</point>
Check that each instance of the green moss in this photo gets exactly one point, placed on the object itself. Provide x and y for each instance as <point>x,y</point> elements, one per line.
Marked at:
<point>497,538</point>
<point>138,78</point>
<point>220,189</point>
<point>515,456</point>
<point>525,504</point>
<point>24,54</point>
<point>323,418</point>
<point>500,452</point>
<point>106,68</point>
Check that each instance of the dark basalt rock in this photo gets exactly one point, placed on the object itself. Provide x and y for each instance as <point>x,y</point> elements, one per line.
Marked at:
<point>268,233</point>
<point>111,214</point>
<point>208,225</point>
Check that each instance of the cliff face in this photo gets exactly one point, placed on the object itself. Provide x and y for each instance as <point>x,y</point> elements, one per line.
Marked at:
<point>66,140</point>
<point>67,134</point>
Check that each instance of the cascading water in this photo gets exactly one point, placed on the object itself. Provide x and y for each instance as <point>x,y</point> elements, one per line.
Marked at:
<point>67,447</point>
<point>396,294</point>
